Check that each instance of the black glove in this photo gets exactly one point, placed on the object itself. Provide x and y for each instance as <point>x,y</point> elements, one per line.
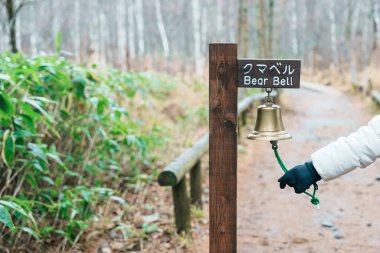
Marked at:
<point>300,177</point>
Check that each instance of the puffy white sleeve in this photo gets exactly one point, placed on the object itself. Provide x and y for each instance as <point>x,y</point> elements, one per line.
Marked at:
<point>359,149</point>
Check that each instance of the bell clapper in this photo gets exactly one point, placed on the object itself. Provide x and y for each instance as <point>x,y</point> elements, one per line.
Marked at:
<point>274,144</point>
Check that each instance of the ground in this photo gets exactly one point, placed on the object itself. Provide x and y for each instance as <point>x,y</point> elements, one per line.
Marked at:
<point>275,220</point>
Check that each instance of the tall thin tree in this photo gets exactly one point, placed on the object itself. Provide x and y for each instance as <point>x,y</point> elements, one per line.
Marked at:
<point>197,36</point>
<point>161,29</point>
<point>243,27</point>
<point>11,13</point>
<point>139,12</point>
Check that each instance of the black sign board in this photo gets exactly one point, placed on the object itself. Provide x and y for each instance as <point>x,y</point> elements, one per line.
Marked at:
<point>258,73</point>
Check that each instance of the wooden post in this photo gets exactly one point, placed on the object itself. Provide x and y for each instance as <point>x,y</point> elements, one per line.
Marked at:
<point>223,146</point>
<point>242,121</point>
<point>244,117</point>
<point>181,206</point>
<point>196,185</point>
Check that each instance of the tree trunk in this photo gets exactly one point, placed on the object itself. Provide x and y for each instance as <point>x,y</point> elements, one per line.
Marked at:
<point>333,40</point>
<point>230,22</point>
<point>161,28</point>
<point>140,27</point>
<point>219,21</point>
<point>9,5</point>
<point>243,28</point>
<point>131,32</point>
<point>32,35</point>
<point>103,35</point>
<point>93,48</point>
<point>76,31</point>
<point>270,28</point>
<point>121,32</point>
<point>55,8</point>
<point>3,39</point>
<point>365,44</point>
<point>261,34</point>
<point>197,36</point>
<point>204,32</point>
<point>18,24</point>
<point>294,29</point>
<point>355,21</point>
<point>348,29</point>
<point>376,23</point>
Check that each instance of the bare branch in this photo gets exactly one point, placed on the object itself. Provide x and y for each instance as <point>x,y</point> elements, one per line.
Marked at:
<point>18,9</point>
<point>26,3</point>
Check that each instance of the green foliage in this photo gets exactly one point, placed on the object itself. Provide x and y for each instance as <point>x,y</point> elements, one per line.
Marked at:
<point>8,152</point>
<point>5,218</point>
<point>6,106</point>
<point>67,140</point>
<point>58,42</point>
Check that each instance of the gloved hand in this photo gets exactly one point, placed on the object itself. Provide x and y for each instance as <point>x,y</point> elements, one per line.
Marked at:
<point>300,177</point>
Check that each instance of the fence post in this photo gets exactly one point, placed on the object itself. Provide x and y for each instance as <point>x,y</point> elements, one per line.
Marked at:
<point>223,147</point>
<point>242,121</point>
<point>244,117</point>
<point>181,206</point>
<point>196,185</point>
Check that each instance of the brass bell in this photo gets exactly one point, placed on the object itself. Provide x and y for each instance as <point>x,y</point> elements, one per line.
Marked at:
<point>269,126</point>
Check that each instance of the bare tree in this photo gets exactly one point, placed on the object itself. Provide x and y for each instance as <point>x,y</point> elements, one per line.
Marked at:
<point>12,13</point>
<point>161,28</point>
<point>243,27</point>
<point>355,21</point>
<point>76,32</point>
<point>197,36</point>
<point>261,31</point>
<point>102,34</point>
<point>270,28</point>
<point>131,31</point>
<point>348,28</point>
<point>204,29</point>
<point>124,32</point>
<point>375,7</point>
<point>140,26</point>
<point>12,10</point>
<point>334,45</point>
<point>294,29</point>
<point>121,31</point>
<point>93,45</point>
<point>219,19</point>
<point>56,22</point>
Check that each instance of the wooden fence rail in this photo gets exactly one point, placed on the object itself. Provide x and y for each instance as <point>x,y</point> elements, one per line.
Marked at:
<point>376,97</point>
<point>174,174</point>
<point>367,90</point>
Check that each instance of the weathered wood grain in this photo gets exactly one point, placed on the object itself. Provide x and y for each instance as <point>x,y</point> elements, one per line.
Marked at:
<point>223,147</point>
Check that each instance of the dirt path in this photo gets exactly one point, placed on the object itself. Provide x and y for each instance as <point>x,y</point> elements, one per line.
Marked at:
<point>274,220</point>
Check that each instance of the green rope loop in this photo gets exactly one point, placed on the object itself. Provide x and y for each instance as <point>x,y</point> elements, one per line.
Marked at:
<point>313,199</point>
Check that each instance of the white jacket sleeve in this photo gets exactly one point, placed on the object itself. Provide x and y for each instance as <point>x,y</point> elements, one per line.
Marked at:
<point>359,149</point>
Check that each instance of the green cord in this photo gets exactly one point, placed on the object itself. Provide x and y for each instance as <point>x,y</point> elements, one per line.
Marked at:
<point>313,199</point>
